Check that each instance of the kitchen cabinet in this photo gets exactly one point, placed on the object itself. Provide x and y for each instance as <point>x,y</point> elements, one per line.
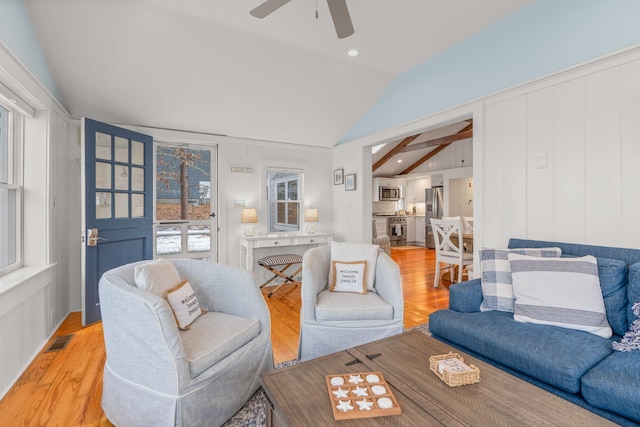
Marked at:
<point>415,189</point>
<point>411,229</point>
<point>382,182</point>
<point>421,232</point>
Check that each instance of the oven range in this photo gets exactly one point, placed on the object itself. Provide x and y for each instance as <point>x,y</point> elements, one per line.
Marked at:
<point>397,230</point>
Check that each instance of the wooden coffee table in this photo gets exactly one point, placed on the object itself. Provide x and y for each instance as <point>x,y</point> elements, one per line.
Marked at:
<point>300,398</point>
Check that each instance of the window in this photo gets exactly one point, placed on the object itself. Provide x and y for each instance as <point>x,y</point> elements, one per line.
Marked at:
<point>284,196</point>
<point>10,195</point>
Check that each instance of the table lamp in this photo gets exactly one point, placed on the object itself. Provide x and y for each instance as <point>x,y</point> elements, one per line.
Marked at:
<point>310,217</point>
<point>249,216</point>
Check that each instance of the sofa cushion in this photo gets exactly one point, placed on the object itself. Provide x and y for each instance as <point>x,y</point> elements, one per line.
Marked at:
<point>344,307</point>
<point>553,355</point>
<point>497,293</point>
<point>562,292</point>
<point>613,281</point>
<point>215,336</point>
<point>614,384</point>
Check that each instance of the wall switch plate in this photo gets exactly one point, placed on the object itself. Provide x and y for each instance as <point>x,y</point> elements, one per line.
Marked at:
<point>541,161</point>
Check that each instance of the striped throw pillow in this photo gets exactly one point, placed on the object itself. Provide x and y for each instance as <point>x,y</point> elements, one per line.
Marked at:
<point>497,293</point>
<point>563,292</point>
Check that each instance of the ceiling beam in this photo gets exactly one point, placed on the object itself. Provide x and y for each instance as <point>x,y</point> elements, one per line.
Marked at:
<point>465,133</point>
<point>426,157</point>
<point>398,148</point>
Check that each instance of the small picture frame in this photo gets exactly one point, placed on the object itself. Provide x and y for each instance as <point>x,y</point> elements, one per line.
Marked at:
<point>338,177</point>
<point>350,182</point>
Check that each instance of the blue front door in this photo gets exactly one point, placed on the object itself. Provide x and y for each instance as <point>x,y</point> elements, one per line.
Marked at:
<point>118,204</point>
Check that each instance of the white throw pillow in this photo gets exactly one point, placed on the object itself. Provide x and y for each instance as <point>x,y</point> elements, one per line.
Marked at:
<point>184,303</point>
<point>497,293</point>
<point>563,292</point>
<point>355,252</point>
<point>156,276</point>
<point>349,276</point>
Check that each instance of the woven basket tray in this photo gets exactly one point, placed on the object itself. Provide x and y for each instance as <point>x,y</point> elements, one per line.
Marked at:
<point>454,379</point>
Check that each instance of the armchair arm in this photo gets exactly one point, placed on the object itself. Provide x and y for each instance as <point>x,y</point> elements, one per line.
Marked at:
<point>139,326</point>
<point>466,297</point>
<point>226,289</point>
<point>315,279</point>
<point>388,283</point>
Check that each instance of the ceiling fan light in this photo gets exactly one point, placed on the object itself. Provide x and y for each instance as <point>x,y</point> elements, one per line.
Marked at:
<point>353,52</point>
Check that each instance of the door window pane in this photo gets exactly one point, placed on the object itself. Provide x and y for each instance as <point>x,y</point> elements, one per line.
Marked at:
<point>183,184</point>
<point>199,239</point>
<point>103,146</point>
<point>122,149</point>
<point>168,240</point>
<point>122,205</point>
<point>103,205</point>
<point>137,153</point>
<point>137,179</point>
<point>122,177</point>
<point>137,205</point>
<point>103,175</point>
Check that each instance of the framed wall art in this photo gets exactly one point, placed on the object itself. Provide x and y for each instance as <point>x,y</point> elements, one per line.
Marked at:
<point>338,177</point>
<point>350,182</point>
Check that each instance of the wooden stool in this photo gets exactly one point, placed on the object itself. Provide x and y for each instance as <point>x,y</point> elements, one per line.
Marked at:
<point>284,261</point>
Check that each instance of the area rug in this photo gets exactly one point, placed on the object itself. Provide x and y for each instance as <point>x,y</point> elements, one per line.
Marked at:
<point>254,412</point>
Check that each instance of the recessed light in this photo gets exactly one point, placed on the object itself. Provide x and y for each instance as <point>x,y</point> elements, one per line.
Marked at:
<point>353,52</point>
<point>399,160</point>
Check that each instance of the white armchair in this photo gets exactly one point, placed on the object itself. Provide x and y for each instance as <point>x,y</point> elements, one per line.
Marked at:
<point>158,375</point>
<point>334,321</point>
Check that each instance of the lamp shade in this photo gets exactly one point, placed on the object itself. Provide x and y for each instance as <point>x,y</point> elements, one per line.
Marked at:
<point>249,216</point>
<point>311,215</point>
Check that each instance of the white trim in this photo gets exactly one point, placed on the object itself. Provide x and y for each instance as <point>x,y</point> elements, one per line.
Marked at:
<point>19,285</point>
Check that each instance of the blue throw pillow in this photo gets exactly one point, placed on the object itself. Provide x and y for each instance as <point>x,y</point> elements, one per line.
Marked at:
<point>613,281</point>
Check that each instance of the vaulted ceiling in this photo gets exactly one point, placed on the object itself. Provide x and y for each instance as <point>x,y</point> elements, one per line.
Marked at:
<point>208,66</point>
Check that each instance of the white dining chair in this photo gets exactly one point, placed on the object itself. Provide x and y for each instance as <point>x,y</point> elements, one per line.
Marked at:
<point>450,250</point>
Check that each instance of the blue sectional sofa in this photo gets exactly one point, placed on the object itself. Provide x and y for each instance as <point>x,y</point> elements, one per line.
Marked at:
<point>578,366</point>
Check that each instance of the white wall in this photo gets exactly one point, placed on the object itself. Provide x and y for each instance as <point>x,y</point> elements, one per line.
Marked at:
<point>561,157</point>
<point>34,299</point>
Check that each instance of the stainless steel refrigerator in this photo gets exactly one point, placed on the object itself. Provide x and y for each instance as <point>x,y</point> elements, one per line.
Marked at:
<point>433,209</point>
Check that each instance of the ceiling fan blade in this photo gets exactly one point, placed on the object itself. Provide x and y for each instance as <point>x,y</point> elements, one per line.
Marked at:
<point>268,7</point>
<point>341,18</point>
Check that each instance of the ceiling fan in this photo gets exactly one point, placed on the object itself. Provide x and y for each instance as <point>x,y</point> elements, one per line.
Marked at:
<point>337,8</point>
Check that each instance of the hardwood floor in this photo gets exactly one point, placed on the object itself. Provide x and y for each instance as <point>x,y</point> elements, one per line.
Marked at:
<point>64,388</point>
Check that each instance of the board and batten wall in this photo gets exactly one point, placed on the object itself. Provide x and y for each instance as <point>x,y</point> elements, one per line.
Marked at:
<point>560,157</point>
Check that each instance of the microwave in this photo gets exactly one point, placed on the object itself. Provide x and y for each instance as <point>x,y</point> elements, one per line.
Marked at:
<point>390,193</point>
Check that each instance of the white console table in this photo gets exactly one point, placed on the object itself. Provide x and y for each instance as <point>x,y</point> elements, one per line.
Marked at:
<point>249,244</point>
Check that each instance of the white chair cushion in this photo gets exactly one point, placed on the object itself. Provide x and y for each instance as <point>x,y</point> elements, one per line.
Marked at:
<point>341,307</point>
<point>215,336</point>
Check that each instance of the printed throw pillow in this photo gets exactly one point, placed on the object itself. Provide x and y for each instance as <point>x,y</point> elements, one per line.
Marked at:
<point>355,252</point>
<point>184,303</point>
<point>563,292</point>
<point>349,276</point>
<point>156,276</point>
<point>497,293</point>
